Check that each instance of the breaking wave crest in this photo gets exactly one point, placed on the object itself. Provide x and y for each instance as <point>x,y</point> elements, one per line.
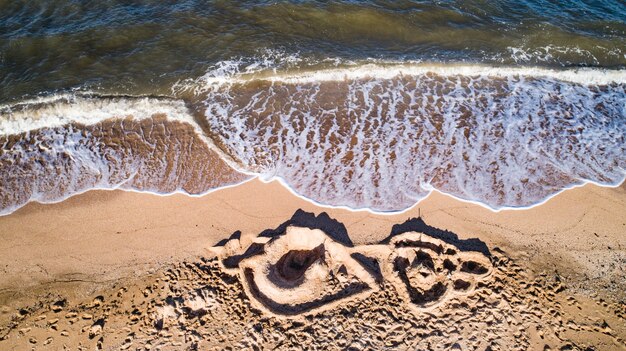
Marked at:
<point>383,137</point>
<point>83,143</point>
<point>378,136</point>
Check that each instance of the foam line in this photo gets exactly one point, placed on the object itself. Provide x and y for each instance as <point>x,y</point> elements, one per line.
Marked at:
<point>377,137</point>
<point>59,110</point>
<point>582,184</point>
<point>388,70</point>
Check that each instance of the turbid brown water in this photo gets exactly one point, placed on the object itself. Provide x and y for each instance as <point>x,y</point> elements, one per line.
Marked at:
<point>143,47</point>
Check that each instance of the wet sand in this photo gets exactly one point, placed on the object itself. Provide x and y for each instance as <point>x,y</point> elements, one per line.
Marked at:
<point>565,257</point>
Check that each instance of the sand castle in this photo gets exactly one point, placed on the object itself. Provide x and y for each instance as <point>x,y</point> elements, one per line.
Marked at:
<point>305,285</point>
<point>427,271</point>
<point>305,270</point>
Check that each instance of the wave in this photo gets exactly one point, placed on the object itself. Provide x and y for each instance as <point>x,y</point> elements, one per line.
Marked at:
<point>382,137</point>
<point>375,135</point>
<point>56,147</point>
<point>278,67</point>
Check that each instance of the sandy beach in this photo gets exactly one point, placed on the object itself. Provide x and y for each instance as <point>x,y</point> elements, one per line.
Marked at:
<point>313,175</point>
<point>99,242</point>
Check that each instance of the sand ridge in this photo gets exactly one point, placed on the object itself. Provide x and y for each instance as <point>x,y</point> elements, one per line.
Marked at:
<point>303,270</point>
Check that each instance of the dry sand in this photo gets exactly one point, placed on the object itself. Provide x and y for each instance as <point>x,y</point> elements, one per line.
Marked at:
<point>121,270</point>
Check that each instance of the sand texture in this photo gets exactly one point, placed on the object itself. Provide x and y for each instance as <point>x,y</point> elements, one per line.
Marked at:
<point>254,267</point>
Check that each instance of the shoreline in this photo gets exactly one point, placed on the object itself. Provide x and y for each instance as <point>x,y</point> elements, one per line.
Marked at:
<point>89,251</point>
<point>258,177</point>
<point>110,215</point>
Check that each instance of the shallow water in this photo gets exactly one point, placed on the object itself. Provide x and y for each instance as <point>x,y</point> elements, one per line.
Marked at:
<point>360,104</point>
<point>143,47</point>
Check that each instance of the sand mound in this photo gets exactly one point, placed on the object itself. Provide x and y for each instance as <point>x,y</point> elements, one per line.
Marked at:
<point>300,289</point>
<point>428,271</point>
<point>301,271</point>
<point>304,270</point>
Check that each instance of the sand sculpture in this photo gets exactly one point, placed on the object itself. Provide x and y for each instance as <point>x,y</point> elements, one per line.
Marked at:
<point>426,271</point>
<point>294,288</point>
<point>304,270</point>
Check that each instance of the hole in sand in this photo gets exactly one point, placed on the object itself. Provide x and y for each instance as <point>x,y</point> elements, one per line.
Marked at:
<point>292,265</point>
<point>447,264</point>
<point>419,295</point>
<point>473,268</point>
<point>425,297</point>
<point>423,259</point>
<point>461,284</point>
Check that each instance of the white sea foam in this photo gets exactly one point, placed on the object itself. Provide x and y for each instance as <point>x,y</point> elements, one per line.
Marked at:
<point>376,135</point>
<point>383,138</point>
<point>586,76</point>
<point>564,55</point>
<point>56,147</point>
<point>59,110</point>
<point>232,72</point>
